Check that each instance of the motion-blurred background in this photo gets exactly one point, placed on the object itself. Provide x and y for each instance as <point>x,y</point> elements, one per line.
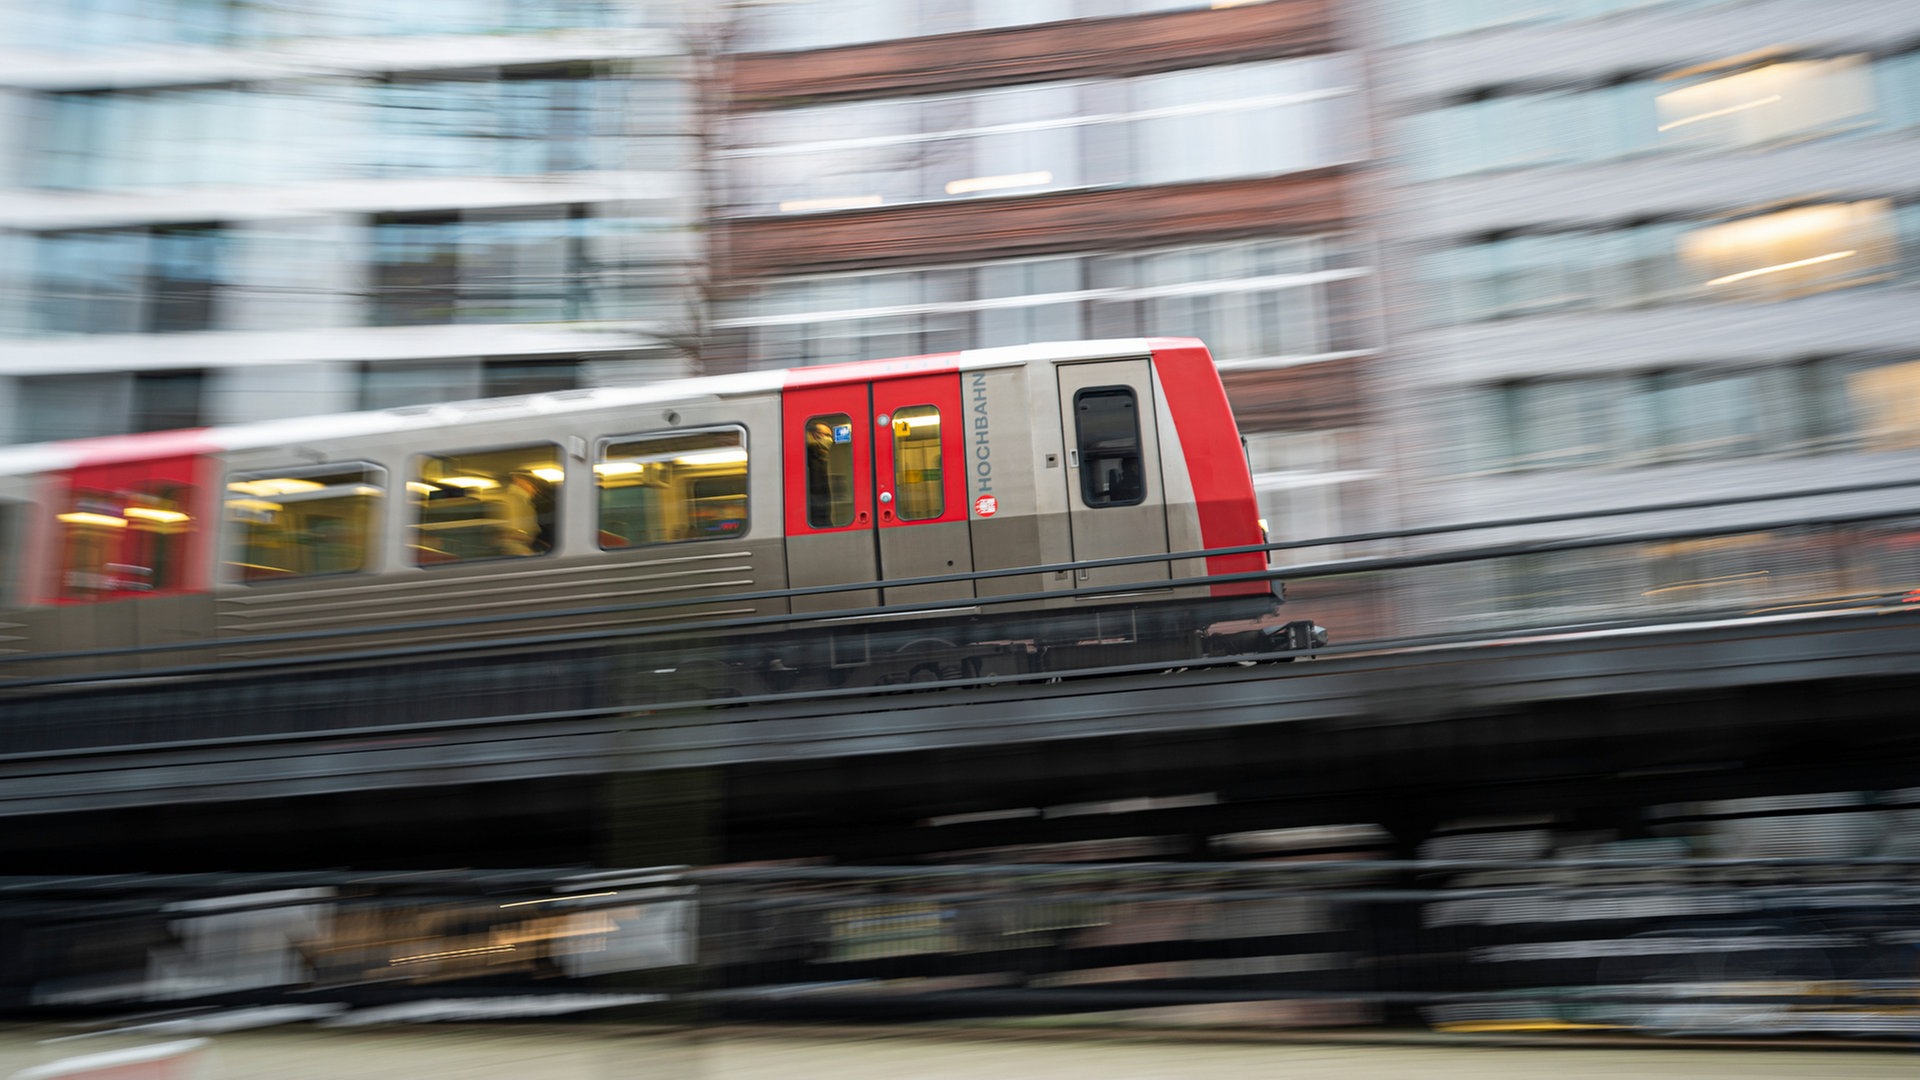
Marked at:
<point>1460,260</point>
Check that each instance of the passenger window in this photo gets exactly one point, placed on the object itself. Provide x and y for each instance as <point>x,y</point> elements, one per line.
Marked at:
<point>829,471</point>
<point>918,492</point>
<point>489,504</point>
<point>663,489</point>
<point>131,541</point>
<point>306,522</point>
<point>1107,427</point>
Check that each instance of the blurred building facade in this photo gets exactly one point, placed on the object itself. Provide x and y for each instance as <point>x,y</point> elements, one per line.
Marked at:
<point>214,210</point>
<point>917,176</point>
<point>217,211</point>
<point>1647,250</point>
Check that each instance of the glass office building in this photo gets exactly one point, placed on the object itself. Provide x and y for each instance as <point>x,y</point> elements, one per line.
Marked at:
<point>216,211</point>
<point>219,211</point>
<point>918,176</point>
<point>1642,247</point>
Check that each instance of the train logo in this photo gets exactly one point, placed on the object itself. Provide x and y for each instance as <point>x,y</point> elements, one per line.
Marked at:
<point>986,506</point>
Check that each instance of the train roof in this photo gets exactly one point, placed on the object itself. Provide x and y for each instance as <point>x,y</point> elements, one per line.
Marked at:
<point>33,458</point>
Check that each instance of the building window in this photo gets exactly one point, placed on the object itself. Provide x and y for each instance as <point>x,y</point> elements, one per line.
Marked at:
<point>91,282</point>
<point>168,400</point>
<point>488,504</point>
<point>1768,257</point>
<point>1645,418</point>
<point>416,270</point>
<point>50,407</point>
<point>1514,128</point>
<point>304,522</point>
<point>1255,302</point>
<point>131,280</point>
<point>388,385</point>
<point>523,122</point>
<point>185,273</point>
<point>1768,103</point>
<point>1886,399</point>
<point>513,378</point>
<point>1202,124</point>
<point>664,489</point>
<point>523,264</point>
<point>1794,252</point>
<point>821,24</point>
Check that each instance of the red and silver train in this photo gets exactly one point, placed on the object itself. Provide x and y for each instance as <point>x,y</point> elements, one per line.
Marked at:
<point>863,498</point>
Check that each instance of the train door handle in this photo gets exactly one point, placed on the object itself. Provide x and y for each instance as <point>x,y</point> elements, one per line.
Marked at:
<point>886,507</point>
<point>861,517</point>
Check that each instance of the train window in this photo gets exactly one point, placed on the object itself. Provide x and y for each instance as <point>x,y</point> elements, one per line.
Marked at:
<point>1107,429</point>
<point>663,489</point>
<point>918,492</point>
<point>304,522</point>
<point>829,471</point>
<point>125,542</point>
<point>488,504</point>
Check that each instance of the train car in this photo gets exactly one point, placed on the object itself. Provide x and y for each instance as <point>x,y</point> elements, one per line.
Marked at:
<point>928,517</point>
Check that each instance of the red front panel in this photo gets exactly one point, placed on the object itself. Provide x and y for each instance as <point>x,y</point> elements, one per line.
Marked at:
<point>1216,463</point>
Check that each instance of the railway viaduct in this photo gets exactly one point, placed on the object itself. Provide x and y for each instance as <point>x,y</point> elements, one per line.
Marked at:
<point>1588,727</point>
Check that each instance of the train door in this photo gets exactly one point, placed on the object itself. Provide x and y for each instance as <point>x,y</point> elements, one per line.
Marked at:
<point>920,479</point>
<point>1116,501</point>
<point>131,531</point>
<point>875,490</point>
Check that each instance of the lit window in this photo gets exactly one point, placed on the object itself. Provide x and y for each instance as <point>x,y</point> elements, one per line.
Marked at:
<point>662,489</point>
<point>916,463</point>
<point>125,542</point>
<point>1792,252</point>
<point>488,504</point>
<point>1766,103</point>
<point>1887,399</point>
<point>303,522</point>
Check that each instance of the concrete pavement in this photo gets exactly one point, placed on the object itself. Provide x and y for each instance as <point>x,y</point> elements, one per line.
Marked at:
<point>590,1052</point>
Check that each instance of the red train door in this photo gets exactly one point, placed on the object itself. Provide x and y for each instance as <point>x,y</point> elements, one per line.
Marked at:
<point>921,488</point>
<point>875,490</point>
<point>130,547</point>
<point>827,443</point>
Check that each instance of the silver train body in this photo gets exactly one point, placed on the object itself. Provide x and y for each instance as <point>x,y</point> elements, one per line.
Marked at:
<point>867,497</point>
